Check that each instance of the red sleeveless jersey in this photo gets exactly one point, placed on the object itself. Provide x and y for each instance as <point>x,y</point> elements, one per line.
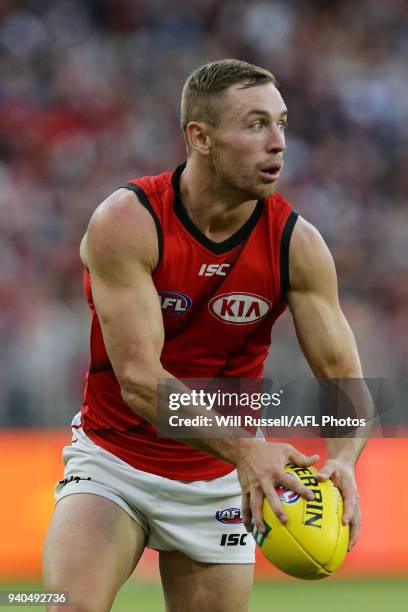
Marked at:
<point>219,303</point>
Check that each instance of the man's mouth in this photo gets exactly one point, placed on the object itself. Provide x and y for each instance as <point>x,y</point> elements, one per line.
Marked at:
<point>271,172</point>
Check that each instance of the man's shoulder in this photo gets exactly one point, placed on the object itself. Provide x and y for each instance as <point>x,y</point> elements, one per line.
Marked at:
<point>119,228</point>
<point>151,184</point>
<point>307,238</point>
<point>310,257</point>
<point>278,205</point>
<point>280,215</point>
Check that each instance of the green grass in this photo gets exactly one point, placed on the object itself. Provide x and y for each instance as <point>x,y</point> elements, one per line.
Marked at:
<point>323,596</point>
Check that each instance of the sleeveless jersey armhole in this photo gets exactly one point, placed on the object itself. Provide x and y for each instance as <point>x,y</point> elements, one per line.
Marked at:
<point>284,253</point>
<point>144,200</point>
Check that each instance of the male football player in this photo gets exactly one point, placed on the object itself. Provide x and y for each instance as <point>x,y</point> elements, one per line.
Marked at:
<point>185,274</point>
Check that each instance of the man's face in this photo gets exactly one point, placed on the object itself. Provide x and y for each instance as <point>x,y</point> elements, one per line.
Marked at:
<point>248,143</point>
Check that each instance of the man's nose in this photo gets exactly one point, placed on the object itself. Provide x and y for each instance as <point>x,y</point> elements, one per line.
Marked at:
<point>276,142</point>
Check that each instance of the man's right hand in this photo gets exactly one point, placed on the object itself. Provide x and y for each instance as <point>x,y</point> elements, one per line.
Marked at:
<point>261,468</point>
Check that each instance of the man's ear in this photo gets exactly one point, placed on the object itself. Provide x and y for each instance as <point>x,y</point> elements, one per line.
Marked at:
<point>198,137</point>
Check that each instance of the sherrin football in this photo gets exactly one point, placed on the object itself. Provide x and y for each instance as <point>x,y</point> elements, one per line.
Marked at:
<point>313,543</point>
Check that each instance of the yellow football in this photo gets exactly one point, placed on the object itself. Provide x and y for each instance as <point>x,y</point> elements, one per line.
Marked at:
<point>313,543</point>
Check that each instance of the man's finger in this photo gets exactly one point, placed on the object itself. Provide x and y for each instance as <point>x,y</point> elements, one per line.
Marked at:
<point>246,511</point>
<point>349,501</point>
<point>256,504</point>
<point>296,486</point>
<point>276,506</point>
<point>302,460</point>
<point>325,472</point>
<point>354,530</point>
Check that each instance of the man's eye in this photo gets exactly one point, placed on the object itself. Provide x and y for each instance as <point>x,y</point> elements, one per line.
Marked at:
<point>283,125</point>
<point>257,125</point>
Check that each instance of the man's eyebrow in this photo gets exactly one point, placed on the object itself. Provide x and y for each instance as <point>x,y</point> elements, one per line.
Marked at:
<point>265,113</point>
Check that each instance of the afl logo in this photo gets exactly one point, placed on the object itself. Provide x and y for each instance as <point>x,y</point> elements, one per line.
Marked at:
<point>239,308</point>
<point>229,516</point>
<point>174,302</point>
<point>286,495</point>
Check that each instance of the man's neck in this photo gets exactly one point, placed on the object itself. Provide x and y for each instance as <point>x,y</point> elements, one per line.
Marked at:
<point>216,211</point>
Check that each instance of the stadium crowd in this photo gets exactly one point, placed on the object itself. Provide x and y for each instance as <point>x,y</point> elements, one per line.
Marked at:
<point>89,97</point>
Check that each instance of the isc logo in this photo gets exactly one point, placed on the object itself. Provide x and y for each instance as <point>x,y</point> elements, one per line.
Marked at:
<point>233,539</point>
<point>239,308</point>
<point>174,302</point>
<point>212,269</point>
<point>229,516</point>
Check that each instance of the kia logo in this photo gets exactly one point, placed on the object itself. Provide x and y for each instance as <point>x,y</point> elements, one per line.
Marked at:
<point>239,308</point>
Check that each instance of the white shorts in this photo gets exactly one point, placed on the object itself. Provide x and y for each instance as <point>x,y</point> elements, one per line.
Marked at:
<point>198,518</point>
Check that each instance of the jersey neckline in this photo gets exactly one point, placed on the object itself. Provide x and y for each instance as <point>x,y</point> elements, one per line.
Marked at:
<point>217,248</point>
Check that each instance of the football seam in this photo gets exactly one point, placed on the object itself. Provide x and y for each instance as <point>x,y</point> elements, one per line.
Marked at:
<point>337,543</point>
<point>308,553</point>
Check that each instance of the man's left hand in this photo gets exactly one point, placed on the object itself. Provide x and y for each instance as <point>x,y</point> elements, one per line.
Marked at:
<point>342,474</point>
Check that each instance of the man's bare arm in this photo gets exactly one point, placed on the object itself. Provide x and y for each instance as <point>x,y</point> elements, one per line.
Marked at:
<point>121,253</point>
<point>329,346</point>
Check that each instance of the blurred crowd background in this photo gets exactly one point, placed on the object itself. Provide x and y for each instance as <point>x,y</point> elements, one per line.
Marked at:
<point>89,97</point>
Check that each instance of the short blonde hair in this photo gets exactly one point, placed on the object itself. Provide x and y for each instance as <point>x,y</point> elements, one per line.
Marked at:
<point>204,88</point>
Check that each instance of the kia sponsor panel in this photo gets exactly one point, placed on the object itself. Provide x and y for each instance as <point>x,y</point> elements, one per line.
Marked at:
<point>239,308</point>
